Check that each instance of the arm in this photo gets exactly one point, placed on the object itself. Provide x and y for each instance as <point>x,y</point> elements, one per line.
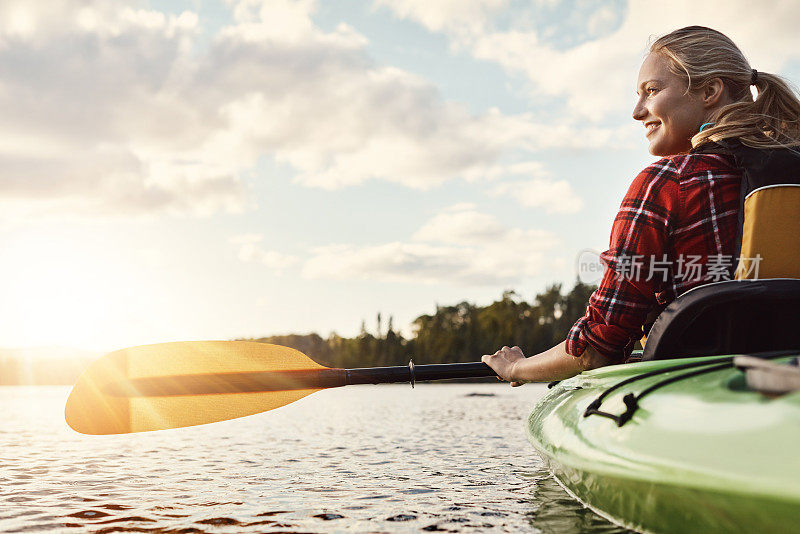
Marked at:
<point>639,265</point>
<point>553,364</point>
<point>618,308</point>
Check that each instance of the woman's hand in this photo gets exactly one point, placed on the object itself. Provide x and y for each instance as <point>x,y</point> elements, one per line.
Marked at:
<point>553,364</point>
<point>504,363</point>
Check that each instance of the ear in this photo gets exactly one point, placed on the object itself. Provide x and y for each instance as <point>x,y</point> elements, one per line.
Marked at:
<point>713,93</point>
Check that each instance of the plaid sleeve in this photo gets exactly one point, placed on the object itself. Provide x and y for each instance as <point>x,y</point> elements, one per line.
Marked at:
<point>639,239</point>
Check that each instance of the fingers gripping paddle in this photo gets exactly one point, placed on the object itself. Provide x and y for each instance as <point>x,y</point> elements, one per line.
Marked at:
<point>171,385</point>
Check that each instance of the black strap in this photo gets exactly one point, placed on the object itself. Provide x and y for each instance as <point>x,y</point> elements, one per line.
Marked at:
<point>631,400</point>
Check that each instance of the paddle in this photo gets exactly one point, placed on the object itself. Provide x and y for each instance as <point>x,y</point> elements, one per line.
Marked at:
<point>171,385</point>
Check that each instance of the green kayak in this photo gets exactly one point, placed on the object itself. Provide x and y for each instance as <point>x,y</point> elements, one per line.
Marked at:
<point>675,446</point>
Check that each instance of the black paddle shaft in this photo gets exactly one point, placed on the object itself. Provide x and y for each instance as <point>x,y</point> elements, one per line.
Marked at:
<point>413,373</point>
<point>265,381</point>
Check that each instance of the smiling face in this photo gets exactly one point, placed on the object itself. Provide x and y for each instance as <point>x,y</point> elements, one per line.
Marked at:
<point>670,115</point>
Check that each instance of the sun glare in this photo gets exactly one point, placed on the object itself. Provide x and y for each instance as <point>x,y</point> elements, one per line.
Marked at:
<point>58,293</point>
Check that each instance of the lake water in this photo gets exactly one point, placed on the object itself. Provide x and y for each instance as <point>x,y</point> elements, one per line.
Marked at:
<point>441,457</point>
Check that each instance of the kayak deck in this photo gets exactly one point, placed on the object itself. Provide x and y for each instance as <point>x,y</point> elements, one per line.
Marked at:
<point>701,454</point>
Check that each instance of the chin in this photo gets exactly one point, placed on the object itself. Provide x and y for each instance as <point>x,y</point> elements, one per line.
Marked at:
<point>656,148</point>
<point>663,150</point>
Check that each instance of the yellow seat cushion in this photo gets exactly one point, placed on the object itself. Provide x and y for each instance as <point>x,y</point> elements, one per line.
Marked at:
<point>771,234</point>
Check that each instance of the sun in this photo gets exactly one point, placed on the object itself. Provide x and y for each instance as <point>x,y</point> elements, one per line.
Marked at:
<point>58,292</point>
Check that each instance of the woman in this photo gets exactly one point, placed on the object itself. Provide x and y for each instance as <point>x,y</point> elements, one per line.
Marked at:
<point>679,218</point>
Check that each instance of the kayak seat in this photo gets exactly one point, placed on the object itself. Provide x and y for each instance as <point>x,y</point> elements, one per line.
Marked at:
<point>729,317</point>
<point>770,247</point>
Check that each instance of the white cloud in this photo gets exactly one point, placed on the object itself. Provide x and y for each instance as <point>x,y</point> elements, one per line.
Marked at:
<point>251,251</point>
<point>538,190</point>
<point>461,225</point>
<point>283,20</point>
<point>109,109</point>
<point>459,246</point>
<point>523,168</point>
<point>90,122</point>
<point>424,263</point>
<point>601,20</point>
<point>467,16</point>
<point>553,196</point>
<point>246,239</point>
<point>597,76</point>
<point>390,262</point>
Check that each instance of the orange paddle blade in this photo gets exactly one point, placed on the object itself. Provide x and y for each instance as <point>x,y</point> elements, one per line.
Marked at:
<point>171,385</point>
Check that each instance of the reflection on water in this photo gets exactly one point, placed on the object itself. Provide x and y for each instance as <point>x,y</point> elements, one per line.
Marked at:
<point>363,458</point>
<point>552,510</point>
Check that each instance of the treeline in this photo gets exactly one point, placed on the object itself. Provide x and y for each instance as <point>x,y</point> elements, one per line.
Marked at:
<point>458,333</point>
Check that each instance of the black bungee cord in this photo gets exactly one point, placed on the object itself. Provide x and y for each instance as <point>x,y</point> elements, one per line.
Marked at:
<point>631,400</point>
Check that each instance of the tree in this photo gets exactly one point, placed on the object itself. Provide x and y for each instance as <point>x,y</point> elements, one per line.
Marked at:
<point>457,333</point>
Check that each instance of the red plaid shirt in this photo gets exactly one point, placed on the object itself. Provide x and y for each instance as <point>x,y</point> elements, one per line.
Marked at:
<point>675,230</point>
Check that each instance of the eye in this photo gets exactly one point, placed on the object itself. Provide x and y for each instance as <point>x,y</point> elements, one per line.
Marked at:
<point>651,90</point>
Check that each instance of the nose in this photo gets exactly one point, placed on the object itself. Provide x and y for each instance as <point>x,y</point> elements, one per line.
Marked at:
<point>639,111</point>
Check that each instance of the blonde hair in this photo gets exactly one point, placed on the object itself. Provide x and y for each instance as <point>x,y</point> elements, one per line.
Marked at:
<point>700,54</point>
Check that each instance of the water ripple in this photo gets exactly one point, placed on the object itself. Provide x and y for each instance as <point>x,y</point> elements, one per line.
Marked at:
<point>440,458</point>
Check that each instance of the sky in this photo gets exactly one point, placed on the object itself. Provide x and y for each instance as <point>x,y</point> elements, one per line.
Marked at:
<point>216,169</point>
